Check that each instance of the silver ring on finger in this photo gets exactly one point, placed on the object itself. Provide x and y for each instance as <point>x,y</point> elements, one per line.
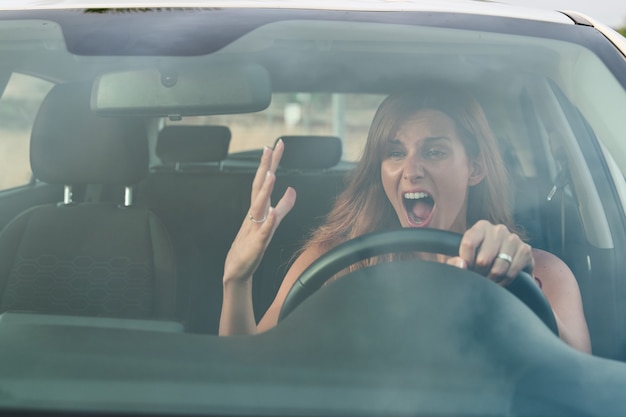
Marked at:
<point>505,257</point>
<point>251,217</point>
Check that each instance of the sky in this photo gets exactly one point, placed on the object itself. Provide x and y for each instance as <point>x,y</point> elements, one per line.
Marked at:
<point>609,12</point>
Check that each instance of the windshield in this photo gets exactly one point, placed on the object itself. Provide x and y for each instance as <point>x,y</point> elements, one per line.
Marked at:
<point>129,143</point>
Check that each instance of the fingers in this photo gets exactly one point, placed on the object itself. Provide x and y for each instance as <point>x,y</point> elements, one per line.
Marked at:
<point>277,214</point>
<point>270,159</point>
<point>261,171</point>
<point>495,252</point>
<point>260,205</point>
<point>457,261</point>
<point>263,182</point>
<point>286,203</point>
<point>505,268</point>
<point>277,154</point>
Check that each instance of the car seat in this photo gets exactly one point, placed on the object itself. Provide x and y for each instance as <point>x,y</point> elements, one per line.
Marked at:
<point>86,258</point>
<point>201,207</point>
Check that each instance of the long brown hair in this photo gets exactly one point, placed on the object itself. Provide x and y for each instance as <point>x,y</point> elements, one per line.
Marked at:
<point>363,206</point>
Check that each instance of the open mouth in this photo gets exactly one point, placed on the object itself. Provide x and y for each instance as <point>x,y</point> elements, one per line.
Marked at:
<point>419,207</point>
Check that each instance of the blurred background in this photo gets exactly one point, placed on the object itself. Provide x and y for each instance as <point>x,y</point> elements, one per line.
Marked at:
<point>288,114</point>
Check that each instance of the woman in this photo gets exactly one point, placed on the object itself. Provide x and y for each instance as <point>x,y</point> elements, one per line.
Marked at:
<point>430,161</point>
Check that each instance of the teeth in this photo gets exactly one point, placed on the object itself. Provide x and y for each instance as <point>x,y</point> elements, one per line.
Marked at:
<point>415,196</point>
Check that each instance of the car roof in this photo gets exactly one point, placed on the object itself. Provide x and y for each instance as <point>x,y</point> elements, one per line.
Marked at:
<point>455,6</point>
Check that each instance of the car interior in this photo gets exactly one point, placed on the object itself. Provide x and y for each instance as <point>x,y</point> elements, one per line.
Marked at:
<point>140,132</point>
<point>132,211</point>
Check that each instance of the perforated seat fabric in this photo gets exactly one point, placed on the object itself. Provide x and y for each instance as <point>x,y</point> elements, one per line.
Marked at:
<point>89,259</point>
<point>95,259</point>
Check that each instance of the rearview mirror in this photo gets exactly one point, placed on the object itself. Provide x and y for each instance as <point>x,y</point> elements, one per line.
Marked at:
<point>206,90</point>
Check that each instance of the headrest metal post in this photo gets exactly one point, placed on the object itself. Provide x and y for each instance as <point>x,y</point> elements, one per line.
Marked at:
<point>67,194</point>
<point>128,196</point>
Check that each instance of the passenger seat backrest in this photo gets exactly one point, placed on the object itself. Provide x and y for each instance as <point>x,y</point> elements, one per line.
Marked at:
<point>94,259</point>
<point>201,206</point>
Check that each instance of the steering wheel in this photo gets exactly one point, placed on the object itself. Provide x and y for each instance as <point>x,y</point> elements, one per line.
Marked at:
<point>403,240</point>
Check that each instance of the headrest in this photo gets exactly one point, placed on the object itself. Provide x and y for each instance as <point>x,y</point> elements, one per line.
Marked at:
<point>70,144</point>
<point>311,152</point>
<point>193,143</point>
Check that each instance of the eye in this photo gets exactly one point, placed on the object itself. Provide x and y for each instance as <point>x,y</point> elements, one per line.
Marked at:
<point>395,154</point>
<point>434,153</point>
<point>394,150</point>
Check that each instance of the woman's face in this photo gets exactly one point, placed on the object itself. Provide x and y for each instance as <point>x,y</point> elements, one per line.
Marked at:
<point>426,173</point>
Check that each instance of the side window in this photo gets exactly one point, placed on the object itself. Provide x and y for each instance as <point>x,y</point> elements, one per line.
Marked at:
<point>19,103</point>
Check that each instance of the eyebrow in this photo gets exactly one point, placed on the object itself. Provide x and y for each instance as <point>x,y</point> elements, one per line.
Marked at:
<point>428,140</point>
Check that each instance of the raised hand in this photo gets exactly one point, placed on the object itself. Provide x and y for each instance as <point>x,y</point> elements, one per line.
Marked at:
<point>262,220</point>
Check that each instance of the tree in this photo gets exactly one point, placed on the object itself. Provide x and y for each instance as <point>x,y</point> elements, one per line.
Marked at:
<point>622,30</point>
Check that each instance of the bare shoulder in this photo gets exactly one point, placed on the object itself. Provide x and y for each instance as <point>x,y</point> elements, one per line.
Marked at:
<point>561,289</point>
<point>554,274</point>
<point>546,261</point>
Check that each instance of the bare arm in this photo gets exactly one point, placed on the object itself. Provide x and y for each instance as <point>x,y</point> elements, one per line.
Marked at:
<point>561,289</point>
<point>250,244</point>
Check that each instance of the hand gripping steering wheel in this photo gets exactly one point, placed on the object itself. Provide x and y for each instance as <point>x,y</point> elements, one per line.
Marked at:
<point>404,240</point>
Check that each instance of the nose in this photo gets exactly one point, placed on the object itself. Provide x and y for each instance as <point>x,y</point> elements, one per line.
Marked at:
<point>413,169</point>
